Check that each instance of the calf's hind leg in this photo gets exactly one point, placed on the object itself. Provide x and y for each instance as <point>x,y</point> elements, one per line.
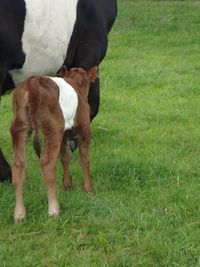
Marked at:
<point>48,164</point>
<point>19,131</point>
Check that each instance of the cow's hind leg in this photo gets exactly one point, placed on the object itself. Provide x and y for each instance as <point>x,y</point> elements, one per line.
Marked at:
<point>94,98</point>
<point>19,131</point>
<point>3,73</point>
<point>48,164</point>
<point>5,171</point>
<point>65,158</point>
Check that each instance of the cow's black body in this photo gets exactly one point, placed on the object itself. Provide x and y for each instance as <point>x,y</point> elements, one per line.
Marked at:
<point>87,47</point>
<point>88,44</point>
<point>12,16</point>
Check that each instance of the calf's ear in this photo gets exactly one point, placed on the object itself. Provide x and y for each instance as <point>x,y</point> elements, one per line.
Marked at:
<point>92,74</point>
<point>63,71</point>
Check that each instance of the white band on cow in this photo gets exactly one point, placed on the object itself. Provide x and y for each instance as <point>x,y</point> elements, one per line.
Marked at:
<point>47,31</point>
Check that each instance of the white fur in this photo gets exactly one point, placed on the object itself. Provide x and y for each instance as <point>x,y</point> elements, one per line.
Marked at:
<point>68,101</point>
<point>48,28</point>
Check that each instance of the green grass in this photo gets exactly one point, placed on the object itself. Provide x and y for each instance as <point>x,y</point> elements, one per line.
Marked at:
<point>145,156</point>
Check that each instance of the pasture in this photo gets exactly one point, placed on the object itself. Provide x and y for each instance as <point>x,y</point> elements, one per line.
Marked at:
<point>145,156</point>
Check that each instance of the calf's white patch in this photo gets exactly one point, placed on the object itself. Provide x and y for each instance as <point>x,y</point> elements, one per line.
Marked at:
<point>47,31</point>
<point>68,101</point>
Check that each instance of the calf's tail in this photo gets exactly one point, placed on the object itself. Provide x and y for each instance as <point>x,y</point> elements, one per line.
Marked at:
<point>34,110</point>
<point>36,145</point>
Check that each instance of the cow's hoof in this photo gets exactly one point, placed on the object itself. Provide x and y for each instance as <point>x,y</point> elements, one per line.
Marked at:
<point>54,210</point>
<point>19,214</point>
<point>6,176</point>
<point>5,170</point>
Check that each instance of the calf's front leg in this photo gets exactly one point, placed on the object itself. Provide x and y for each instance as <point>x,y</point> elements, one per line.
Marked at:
<point>65,158</point>
<point>85,164</point>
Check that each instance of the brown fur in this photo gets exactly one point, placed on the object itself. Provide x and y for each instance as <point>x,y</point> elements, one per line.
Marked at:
<point>36,107</point>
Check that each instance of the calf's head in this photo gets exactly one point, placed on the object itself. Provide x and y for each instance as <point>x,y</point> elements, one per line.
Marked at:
<point>82,78</point>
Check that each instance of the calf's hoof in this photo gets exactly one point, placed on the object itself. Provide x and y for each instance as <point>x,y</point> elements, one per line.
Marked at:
<point>88,188</point>
<point>54,210</point>
<point>67,183</point>
<point>19,214</point>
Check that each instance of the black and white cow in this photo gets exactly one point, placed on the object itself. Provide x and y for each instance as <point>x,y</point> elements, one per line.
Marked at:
<point>38,37</point>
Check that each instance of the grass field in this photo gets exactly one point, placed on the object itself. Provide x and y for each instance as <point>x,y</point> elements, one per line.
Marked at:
<point>145,156</point>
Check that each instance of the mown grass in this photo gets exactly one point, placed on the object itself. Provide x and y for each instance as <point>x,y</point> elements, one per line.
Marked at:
<point>145,156</point>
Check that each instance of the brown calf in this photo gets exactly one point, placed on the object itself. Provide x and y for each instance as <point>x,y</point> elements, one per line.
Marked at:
<point>59,108</point>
